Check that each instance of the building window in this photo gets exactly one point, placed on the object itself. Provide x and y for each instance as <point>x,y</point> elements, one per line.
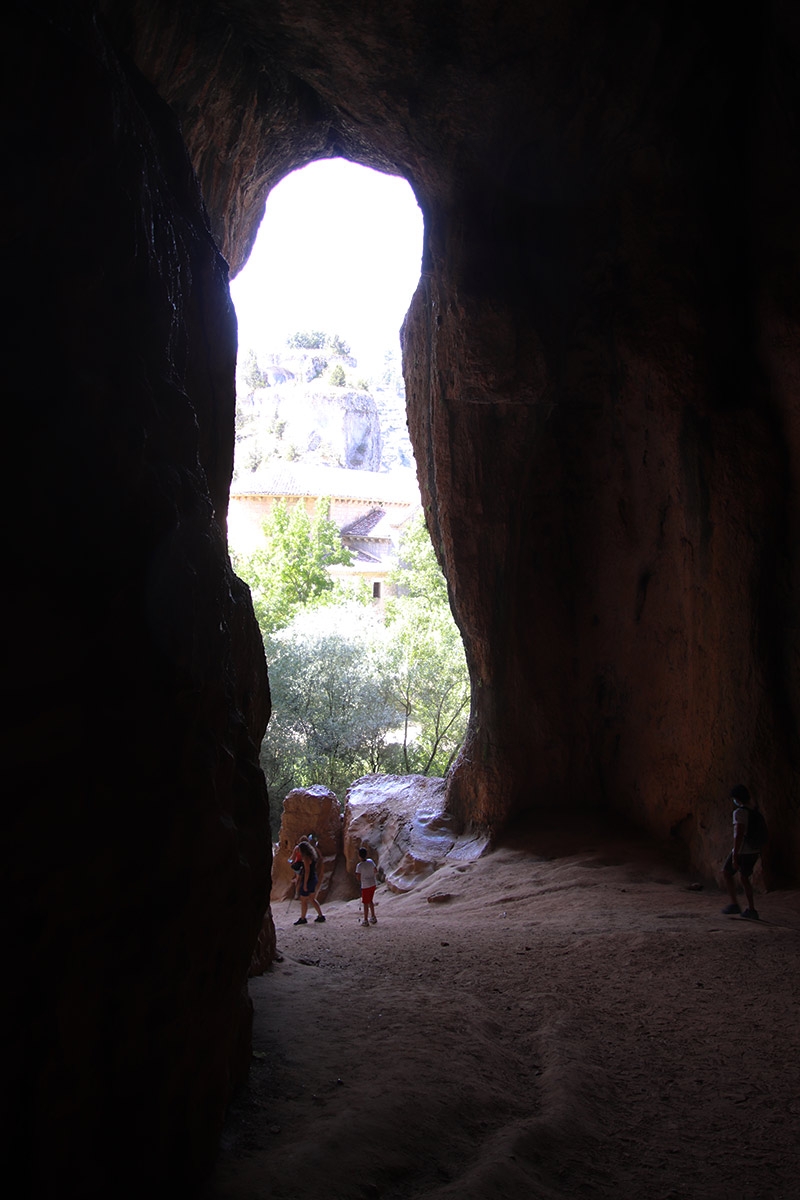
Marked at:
<point>376,590</point>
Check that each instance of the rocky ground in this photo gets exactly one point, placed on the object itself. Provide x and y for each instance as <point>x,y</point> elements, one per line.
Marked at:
<point>551,1021</point>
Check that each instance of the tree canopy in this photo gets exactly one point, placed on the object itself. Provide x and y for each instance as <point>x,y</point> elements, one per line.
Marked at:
<point>288,572</point>
<point>355,689</point>
<point>425,669</point>
<point>331,720</point>
<point>418,575</point>
<point>306,339</point>
<point>254,377</point>
<point>317,339</point>
<point>338,345</point>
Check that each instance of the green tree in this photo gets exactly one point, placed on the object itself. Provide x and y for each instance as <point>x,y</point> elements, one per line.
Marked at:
<point>418,575</point>
<point>253,376</point>
<point>332,720</point>
<point>425,673</point>
<point>337,376</point>
<point>338,346</point>
<point>392,377</point>
<point>354,691</point>
<point>288,572</point>
<point>425,680</point>
<point>315,368</point>
<point>306,339</point>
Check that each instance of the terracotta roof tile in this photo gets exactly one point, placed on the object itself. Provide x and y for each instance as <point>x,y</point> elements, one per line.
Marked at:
<point>363,526</point>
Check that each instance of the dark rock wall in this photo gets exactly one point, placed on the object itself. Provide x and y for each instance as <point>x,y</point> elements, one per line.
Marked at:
<point>605,452</point>
<point>601,362</point>
<point>135,833</point>
<point>602,370</point>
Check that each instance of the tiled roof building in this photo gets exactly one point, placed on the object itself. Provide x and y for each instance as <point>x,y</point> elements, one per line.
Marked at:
<point>370,508</point>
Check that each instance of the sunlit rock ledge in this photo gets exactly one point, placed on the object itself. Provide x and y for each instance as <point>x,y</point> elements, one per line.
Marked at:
<point>402,820</point>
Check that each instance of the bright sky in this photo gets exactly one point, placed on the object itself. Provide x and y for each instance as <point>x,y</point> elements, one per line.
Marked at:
<point>339,250</point>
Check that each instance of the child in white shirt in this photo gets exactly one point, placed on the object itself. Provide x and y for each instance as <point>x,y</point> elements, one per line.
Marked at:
<point>367,874</point>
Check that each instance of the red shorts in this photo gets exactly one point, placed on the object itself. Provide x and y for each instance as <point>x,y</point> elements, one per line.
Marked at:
<point>367,895</point>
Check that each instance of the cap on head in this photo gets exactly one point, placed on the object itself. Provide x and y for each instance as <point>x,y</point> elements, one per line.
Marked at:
<point>740,795</point>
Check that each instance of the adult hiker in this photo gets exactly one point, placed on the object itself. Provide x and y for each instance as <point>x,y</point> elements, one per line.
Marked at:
<point>311,871</point>
<point>749,835</point>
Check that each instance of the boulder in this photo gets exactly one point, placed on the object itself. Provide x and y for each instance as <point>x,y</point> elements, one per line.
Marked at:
<point>403,822</point>
<point>308,810</point>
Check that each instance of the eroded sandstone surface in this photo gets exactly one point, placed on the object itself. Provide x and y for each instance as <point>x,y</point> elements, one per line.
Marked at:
<point>308,811</point>
<point>600,363</point>
<point>404,823</point>
<point>402,820</point>
<point>602,375</point>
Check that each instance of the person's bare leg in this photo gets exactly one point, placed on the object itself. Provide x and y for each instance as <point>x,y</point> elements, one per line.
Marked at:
<point>748,891</point>
<point>730,884</point>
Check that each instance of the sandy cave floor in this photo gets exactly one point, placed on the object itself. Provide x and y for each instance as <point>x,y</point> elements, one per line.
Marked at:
<point>571,1022</point>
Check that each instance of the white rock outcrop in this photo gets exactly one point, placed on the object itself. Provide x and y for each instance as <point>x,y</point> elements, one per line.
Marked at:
<point>402,821</point>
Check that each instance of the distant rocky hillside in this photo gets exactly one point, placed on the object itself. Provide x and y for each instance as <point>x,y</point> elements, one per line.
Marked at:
<point>312,406</point>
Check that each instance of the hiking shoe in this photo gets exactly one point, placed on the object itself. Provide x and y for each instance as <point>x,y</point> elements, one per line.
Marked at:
<point>301,921</point>
<point>365,923</point>
<point>750,914</point>
<point>318,919</point>
<point>730,909</point>
<point>373,920</point>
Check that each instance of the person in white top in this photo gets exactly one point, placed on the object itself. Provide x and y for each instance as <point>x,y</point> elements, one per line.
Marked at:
<point>367,874</point>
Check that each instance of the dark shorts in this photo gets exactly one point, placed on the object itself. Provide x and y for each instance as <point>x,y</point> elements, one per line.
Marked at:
<point>312,886</point>
<point>746,864</point>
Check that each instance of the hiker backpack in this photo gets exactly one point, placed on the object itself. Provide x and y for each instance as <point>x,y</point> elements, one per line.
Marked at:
<point>756,829</point>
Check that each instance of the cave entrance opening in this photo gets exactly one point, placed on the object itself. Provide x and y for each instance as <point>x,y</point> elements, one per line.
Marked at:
<point>321,419</point>
<point>338,253</point>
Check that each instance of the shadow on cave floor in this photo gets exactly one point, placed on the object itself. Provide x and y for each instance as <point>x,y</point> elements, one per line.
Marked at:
<point>569,1016</point>
<point>605,839</point>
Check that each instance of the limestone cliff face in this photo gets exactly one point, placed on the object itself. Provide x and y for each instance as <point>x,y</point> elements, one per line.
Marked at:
<point>601,364</point>
<point>287,409</point>
<point>337,427</point>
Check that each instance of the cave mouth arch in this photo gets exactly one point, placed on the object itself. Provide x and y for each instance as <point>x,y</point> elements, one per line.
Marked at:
<point>326,288</point>
<point>548,310</point>
<point>129,953</point>
<point>339,248</point>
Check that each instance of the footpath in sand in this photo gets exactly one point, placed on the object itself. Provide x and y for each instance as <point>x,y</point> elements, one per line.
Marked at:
<point>575,1023</point>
